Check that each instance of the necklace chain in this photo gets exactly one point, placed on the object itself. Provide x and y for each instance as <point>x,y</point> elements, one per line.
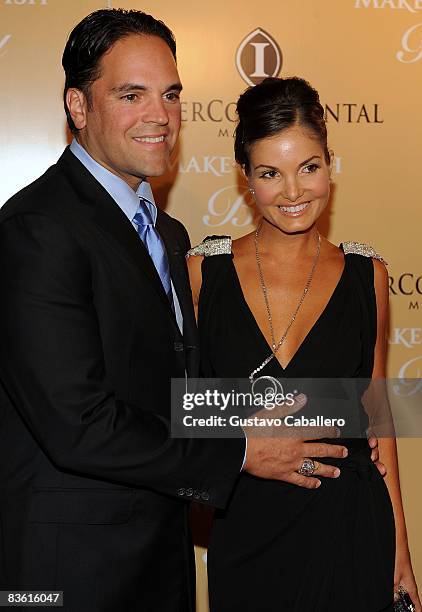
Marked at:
<point>276,345</point>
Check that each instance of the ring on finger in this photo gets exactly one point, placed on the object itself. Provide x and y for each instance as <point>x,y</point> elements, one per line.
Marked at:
<point>308,467</point>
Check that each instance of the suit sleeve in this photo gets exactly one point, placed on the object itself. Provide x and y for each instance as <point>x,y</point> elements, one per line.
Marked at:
<point>52,367</point>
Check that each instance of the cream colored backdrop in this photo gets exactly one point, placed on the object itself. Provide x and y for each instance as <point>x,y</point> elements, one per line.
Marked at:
<point>365,58</point>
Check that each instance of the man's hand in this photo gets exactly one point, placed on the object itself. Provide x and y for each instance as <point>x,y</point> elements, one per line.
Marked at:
<point>277,453</point>
<point>281,458</point>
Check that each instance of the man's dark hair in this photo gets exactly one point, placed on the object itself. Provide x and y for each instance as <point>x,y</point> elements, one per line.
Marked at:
<point>94,36</point>
<point>272,106</point>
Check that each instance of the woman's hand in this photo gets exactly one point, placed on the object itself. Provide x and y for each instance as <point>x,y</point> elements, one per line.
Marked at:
<point>403,576</point>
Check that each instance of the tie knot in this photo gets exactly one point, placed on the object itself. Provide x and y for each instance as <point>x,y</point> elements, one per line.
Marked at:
<point>143,216</point>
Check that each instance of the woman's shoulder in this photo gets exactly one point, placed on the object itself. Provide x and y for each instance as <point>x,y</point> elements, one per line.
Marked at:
<point>362,249</point>
<point>369,265</point>
<point>212,245</point>
<point>204,252</point>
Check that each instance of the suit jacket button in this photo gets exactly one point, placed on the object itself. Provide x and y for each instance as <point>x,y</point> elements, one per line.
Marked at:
<point>205,496</point>
<point>197,495</point>
<point>189,492</point>
<point>181,491</point>
<point>178,346</point>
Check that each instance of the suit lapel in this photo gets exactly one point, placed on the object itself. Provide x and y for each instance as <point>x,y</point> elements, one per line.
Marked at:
<point>107,215</point>
<point>179,274</point>
<point>176,259</point>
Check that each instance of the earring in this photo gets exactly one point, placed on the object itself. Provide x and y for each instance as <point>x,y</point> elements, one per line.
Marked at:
<point>252,191</point>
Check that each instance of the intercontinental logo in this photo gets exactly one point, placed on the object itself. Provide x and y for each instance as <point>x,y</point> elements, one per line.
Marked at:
<point>409,286</point>
<point>258,57</point>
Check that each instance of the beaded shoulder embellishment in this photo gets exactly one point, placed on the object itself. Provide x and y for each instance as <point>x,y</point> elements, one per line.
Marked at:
<point>212,245</point>
<point>359,248</point>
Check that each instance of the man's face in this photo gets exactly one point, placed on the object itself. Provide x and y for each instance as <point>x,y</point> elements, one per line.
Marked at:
<point>133,122</point>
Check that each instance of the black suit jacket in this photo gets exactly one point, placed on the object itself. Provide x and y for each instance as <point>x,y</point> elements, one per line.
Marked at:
<point>93,488</point>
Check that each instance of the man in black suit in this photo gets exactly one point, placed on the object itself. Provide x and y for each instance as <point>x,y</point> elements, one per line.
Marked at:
<point>96,317</point>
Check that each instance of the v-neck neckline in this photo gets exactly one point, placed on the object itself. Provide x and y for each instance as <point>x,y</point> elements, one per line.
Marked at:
<point>260,333</point>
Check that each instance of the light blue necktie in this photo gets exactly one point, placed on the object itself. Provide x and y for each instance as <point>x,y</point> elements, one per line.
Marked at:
<point>154,245</point>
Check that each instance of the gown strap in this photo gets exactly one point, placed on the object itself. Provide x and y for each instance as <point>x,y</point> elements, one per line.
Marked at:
<point>360,248</point>
<point>212,245</point>
<point>361,271</point>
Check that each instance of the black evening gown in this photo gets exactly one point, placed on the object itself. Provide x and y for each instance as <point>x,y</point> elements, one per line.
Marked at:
<point>278,547</point>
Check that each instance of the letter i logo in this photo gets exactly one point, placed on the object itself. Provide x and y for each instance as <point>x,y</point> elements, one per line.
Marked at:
<point>257,57</point>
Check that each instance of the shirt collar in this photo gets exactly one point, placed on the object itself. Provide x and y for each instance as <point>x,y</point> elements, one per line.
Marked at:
<point>117,188</point>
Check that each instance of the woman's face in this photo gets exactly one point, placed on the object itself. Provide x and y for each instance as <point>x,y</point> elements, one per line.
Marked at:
<point>290,178</point>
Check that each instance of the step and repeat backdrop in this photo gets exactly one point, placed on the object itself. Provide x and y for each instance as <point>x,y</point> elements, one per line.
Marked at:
<point>364,57</point>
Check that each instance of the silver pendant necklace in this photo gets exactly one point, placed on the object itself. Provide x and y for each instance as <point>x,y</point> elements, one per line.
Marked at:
<point>276,345</point>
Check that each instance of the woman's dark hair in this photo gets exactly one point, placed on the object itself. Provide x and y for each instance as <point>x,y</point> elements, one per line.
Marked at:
<point>94,36</point>
<point>272,106</point>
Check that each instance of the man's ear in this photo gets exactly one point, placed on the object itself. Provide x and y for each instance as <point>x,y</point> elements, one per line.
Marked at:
<point>78,107</point>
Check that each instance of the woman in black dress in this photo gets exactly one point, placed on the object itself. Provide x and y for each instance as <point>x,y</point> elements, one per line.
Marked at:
<point>320,311</point>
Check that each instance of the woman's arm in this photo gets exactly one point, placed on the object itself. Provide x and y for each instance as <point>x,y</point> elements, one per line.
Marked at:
<point>387,446</point>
